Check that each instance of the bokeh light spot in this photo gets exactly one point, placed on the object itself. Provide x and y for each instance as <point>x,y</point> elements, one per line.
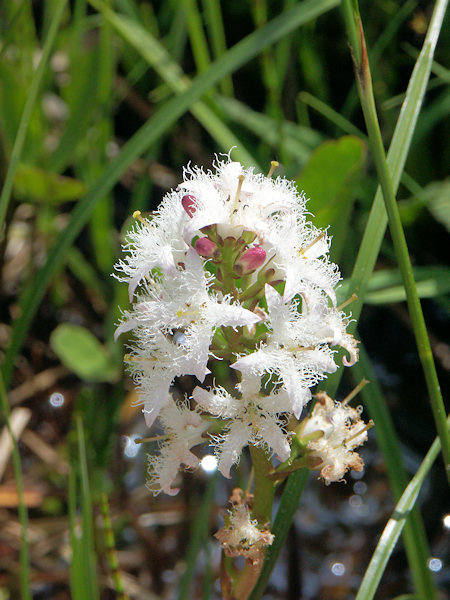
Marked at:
<point>56,400</point>
<point>209,463</point>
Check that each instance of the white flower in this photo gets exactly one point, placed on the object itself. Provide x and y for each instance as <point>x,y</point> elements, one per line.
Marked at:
<point>184,429</point>
<point>292,352</point>
<point>150,246</point>
<point>252,419</point>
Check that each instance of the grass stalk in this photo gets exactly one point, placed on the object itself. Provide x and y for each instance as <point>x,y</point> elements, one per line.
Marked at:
<point>414,537</point>
<point>394,527</point>
<point>364,81</point>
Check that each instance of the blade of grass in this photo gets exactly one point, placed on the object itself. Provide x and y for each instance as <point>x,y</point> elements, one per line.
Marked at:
<point>332,115</point>
<point>298,141</point>
<point>362,71</point>
<point>113,561</point>
<point>22,509</point>
<point>395,526</point>
<point>151,131</point>
<point>28,109</point>
<point>87,533</point>
<point>214,24</point>
<point>414,536</point>
<point>197,37</point>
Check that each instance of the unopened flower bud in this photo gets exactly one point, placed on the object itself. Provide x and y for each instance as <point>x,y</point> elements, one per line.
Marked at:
<point>189,203</point>
<point>251,259</point>
<point>205,247</point>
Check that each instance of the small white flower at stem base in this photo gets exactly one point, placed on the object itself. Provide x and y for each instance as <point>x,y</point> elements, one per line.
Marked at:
<point>342,431</point>
<point>241,535</point>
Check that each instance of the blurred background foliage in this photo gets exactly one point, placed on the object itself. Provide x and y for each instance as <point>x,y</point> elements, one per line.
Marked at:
<point>124,101</point>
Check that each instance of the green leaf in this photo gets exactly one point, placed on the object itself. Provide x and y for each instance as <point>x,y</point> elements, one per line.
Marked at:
<point>329,180</point>
<point>81,352</point>
<point>34,184</point>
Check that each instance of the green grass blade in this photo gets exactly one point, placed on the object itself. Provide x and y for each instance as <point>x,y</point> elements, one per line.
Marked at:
<point>331,114</point>
<point>414,537</point>
<point>149,133</point>
<point>395,526</point>
<point>214,24</point>
<point>28,109</point>
<point>22,509</point>
<point>87,534</point>
<point>197,37</point>
<point>286,510</point>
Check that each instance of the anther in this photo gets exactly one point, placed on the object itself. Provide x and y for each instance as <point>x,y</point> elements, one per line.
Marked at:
<point>138,216</point>
<point>318,238</point>
<point>273,165</point>
<point>355,391</point>
<point>352,298</point>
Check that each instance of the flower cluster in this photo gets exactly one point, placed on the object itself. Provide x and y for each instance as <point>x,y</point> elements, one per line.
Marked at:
<point>230,269</point>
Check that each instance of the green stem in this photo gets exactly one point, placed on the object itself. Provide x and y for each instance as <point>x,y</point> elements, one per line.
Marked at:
<point>263,488</point>
<point>364,81</point>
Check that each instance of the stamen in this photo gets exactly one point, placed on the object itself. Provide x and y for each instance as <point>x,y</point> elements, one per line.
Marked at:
<point>129,358</point>
<point>352,298</point>
<point>355,391</point>
<point>369,425</point>
<point>238,191</point>
<point>155,438</point>
<point>273,165</point>
<point>138,216</point>
<point>318,238</point>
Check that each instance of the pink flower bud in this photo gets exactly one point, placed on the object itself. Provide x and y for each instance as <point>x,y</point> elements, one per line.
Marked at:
<point>252,259</point>
<point>205,247</point>
<point>189,203</point>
